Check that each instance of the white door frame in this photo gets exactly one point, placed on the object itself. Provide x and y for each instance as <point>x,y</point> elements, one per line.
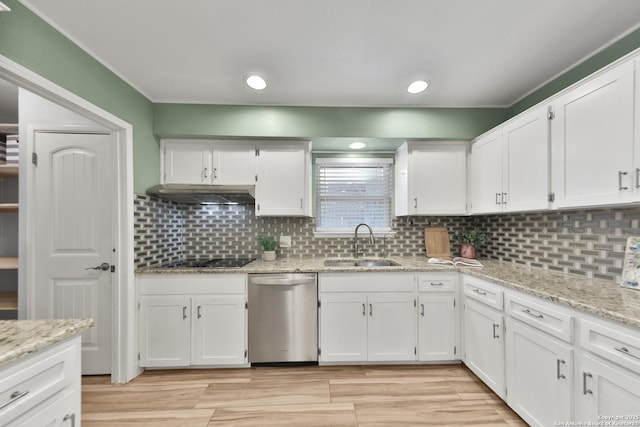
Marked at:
<point>124,330</point>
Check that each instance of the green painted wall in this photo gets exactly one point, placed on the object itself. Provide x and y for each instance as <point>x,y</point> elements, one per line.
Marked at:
<point>606,56</point>
<point>200,121</point>
<point>32,43</point>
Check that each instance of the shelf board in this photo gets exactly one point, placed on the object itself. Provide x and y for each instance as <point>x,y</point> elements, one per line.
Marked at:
<point>8,207</point>
<point>8,301</point>
<point>8,262</point>
<point>8,169</point>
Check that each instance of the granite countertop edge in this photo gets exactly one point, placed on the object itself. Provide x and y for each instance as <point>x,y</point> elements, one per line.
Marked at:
<point>598,297</point>
<point>20,338</point>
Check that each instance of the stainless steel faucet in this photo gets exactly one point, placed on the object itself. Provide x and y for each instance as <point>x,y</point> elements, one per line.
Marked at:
<point>356,248</point>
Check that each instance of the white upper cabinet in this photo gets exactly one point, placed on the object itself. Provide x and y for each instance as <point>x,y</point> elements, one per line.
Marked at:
<point>592,140</point>
<point>431,178</point>
<point>486,173</point>
<point>283,186</point>
<point>208,162</point>
<point>510,166</point>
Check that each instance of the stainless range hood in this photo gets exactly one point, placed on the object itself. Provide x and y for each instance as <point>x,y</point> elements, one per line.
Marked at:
<point>205,194</point>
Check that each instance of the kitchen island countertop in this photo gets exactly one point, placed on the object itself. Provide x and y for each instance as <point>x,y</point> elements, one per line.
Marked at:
<point>594,296</point>
<point>20,338</point>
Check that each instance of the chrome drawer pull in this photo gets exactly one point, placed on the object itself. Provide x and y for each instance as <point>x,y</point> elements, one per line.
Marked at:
<point>625,350</point>
<point>364,309</point>
<point>14,396</point>
<point>585,390</point>
<point>478,291</point>
<point>558,374</point>
<point>199,313</point>
<point>184,312</point>
<point>637,177</point>
<point>620,175</point>
<point>71,417</point>
<point>422,310</point>
<point>530,313</point>
<point>436,284</point>
<point>370,309</point>
<point>495,325</point>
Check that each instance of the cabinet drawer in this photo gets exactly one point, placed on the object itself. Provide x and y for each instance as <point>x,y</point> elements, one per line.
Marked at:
<point>31,381</point>
<point>541,316</point>
<point>431,283</point>
<point>483,291</point>
<point>618,345</point>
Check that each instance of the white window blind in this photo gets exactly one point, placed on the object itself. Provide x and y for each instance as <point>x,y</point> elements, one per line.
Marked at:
<point>350,191</point>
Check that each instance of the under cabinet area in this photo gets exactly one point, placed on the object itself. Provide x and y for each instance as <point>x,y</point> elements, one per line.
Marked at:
<point>192,320</point>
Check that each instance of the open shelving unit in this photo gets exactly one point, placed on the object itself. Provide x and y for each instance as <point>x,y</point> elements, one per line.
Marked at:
<point>8,296</point>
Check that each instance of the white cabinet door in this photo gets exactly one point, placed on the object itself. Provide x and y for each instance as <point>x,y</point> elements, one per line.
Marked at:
<point>392,327</point>
<point>283,186</point>
<point>484,344</point>
<point>218,334</point>
<point>486,173</point>
<point>438,179</point>
<point>187,162</point>
<point>526,162</point>
<point>539,375</point>
<point>592,141</point>
<point>437,327</point>
<point>604,390</point>
<point>165,331</point>
<point>343,327</point>
<point>234,163</point>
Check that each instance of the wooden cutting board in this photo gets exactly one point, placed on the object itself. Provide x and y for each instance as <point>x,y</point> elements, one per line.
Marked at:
<point>436,240</point>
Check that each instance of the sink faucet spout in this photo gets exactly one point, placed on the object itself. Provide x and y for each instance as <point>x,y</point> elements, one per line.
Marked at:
<point>356,251</point>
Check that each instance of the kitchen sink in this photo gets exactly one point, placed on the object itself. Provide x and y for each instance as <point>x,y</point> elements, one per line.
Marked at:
<point>360,263</point>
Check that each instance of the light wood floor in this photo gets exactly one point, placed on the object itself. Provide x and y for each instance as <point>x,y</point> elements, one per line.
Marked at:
<point>445,395</point>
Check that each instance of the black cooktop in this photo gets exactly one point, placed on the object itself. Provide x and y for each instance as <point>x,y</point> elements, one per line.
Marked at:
<point>208,263</point>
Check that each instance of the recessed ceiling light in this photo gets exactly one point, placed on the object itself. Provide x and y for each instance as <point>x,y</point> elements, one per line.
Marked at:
<point>357,145</point>
<point>417,86</point>
<point>4,8</point>
<point>256,82</point>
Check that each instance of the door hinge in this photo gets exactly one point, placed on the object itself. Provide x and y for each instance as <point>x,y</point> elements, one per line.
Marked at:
<point>552,197</point>
<point>34,158</point>
<point>551,115</point>
<point>113,268</point>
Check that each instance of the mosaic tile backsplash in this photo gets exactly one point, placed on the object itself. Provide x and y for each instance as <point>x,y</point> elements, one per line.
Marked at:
<point>586,242</point>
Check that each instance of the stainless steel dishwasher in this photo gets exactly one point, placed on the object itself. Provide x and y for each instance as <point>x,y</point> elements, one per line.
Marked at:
<point>283,318</point>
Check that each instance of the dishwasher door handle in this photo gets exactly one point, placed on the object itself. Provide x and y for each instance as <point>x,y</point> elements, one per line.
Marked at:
<point>282,281</point>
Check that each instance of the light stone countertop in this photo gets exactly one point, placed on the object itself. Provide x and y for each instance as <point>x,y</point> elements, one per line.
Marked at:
<point>597,297</point>
<point>19,338</point>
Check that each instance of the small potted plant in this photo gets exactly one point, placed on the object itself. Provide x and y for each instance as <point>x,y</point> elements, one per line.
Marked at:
<point>469,240</point>
<point>269,246</point>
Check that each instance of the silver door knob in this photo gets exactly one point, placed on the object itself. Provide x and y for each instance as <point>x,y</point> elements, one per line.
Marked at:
<point>104,267</point>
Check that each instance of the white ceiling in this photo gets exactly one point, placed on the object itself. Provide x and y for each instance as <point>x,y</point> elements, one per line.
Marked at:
<point>340,52</point>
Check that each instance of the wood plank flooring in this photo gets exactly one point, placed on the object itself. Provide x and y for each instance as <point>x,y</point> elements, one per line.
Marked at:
<point>443,395</point>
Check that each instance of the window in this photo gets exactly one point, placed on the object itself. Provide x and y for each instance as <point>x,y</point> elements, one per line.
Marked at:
<point>350,191</point>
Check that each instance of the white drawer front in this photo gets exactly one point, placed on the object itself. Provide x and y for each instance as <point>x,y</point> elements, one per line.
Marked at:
<point>30,382</point>
<point>484,292</point>
<point>436,283</point>
<point>540,316</point>
<point>618,346</point>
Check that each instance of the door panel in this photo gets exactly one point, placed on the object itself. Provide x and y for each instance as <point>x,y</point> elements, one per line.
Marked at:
<point>73,204</point>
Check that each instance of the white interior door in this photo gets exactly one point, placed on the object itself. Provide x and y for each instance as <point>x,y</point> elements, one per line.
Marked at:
<point>74,184</point>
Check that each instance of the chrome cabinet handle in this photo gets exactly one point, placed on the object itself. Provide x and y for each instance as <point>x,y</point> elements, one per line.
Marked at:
<point>415,203</point>
<point>637,177</point>
<point>422,310</point>
<point>495,325</point>
<point>184,312</point>
<point>625,350</point>
<point>300,203</point>
<point>497,195</point>
<point>16,395</point>
<point>364,309</point>
<point>205,172</point>
<point>104,267</point>
<point>620,175</point>
<point>504,198</point>
<point>436,284</point>
<point>558,374</point>
<point>71,417</point>
<point>530,313</point>
<point>215,173</point>
<point>479,292</point>
<point>370,309</point>
<point>585,390</point>
<point>198,311</point>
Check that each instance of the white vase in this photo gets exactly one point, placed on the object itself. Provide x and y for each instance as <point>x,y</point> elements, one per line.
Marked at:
<point>269,256</point>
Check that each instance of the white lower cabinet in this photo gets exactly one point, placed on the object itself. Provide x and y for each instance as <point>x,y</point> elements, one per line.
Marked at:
<point>539,373</point>
<point>438,317</point>
<point>367,317</point>
<point>484,344</point>
<point>192,320</point>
